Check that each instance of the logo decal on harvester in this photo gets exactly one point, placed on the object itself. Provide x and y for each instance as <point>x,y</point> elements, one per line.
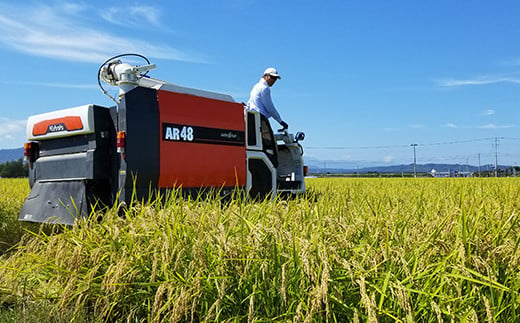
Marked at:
<point>229,135</point>
<point>205,135</point>
<point>179,133</point>
<point>56,127</point>
<point>68,123</point>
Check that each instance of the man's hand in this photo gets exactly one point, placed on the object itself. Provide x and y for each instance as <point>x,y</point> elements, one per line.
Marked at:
<point>284,125</point>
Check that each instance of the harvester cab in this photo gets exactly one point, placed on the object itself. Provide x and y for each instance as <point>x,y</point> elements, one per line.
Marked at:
<point>290,158</point>
<point>159,136</point>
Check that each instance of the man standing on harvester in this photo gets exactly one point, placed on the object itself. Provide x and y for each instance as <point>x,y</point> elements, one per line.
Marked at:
<point>260,98</point>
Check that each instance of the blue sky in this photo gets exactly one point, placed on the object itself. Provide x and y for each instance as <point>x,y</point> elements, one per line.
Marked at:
<point>363,79</point>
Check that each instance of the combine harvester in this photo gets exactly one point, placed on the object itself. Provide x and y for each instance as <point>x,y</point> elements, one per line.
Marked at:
<point>159,136</point>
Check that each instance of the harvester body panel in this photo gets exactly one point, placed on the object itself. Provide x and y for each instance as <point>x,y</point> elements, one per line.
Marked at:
<point>202,142</point>
<point>180,140</point>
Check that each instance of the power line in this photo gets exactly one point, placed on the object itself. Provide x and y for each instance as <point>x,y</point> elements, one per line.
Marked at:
<point>407,145</point>
<point>460,141</point>
<point>358,147</point>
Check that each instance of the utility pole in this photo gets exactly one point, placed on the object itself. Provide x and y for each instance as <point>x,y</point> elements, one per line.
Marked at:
<point>478,164</point>
<point>496,156</point>
<point>414,161</point>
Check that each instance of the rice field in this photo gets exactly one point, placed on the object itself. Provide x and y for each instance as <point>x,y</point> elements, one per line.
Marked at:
<point>350,250</point>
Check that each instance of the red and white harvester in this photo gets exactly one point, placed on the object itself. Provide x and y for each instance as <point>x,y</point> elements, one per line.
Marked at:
<point>159,136</point>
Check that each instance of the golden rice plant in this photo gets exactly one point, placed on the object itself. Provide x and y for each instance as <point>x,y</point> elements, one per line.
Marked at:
<point>13,192</point>
<point>377,250</point>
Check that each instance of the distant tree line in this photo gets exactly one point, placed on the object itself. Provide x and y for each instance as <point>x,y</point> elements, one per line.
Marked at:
<point>14,169</point>
<point>512,171</point>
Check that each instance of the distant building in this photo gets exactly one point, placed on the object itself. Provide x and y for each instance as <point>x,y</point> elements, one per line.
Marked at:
<point>450,173</point>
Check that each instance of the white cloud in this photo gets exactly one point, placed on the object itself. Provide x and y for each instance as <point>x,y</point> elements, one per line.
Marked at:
<point>58,33</point>
<point>388,159</point>
<point>478,81</point>
<point>489,112</point>
<point>348,157</point>
<point>53,85</point>
<point>494,126</point>
<point>450,125</point>
<point>11,129</point>
<point>134,15</point>
<point>73,8</point>
<point>417,126</point>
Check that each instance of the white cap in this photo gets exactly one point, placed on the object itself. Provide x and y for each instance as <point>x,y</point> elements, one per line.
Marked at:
<point>273,72</point>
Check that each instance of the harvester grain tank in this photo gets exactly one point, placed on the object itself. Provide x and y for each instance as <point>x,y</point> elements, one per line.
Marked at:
<point>158,136</point>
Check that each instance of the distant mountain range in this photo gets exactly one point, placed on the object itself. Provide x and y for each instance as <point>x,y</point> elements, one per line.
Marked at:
<point>10,154</point>
<point>420,168</point>
<point>339,167</point>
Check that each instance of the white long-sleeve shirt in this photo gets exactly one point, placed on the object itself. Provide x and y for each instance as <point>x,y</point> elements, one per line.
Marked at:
<point>260,100</point>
